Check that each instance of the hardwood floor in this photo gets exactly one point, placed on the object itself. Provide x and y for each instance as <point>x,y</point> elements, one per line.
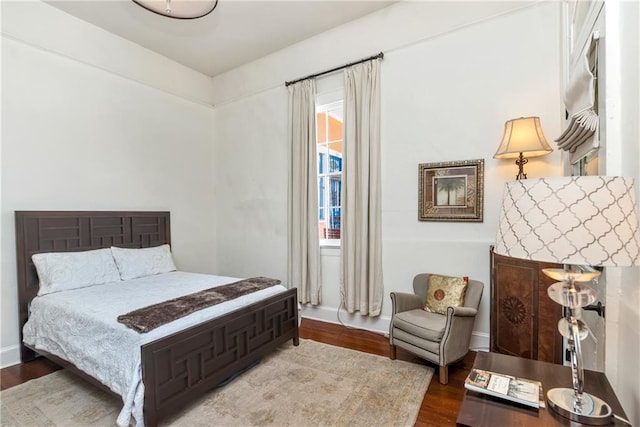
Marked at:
<point>439,407</point>
<point>18,374</point>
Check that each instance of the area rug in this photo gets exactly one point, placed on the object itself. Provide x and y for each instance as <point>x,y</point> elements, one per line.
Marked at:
<point>313,384</point>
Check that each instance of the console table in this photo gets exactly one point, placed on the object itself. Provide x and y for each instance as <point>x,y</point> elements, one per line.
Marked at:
<point>481,410</point>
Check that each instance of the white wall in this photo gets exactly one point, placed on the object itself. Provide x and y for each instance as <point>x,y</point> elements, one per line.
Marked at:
<point>250,172</point>
<point>622,47</point>
<point>78,136</point>
<point>453,73</point>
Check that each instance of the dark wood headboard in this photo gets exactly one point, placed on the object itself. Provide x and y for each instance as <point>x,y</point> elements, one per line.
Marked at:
<point>69,231</point>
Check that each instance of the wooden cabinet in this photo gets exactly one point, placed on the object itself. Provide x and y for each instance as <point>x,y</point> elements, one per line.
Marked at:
<point>524,320</point>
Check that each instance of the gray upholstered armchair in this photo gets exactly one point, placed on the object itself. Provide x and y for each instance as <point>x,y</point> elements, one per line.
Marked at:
<point>437,338</point>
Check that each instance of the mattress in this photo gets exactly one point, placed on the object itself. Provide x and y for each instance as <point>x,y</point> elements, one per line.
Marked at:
<point>80,326</point>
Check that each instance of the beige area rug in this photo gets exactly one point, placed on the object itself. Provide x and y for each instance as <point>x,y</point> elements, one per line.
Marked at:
<point>313,384</point>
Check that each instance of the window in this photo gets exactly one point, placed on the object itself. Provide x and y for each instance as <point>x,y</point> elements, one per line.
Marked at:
<point>586,165</point>
<point>329,139</point>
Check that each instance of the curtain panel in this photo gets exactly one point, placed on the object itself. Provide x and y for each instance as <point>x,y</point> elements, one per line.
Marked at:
<point>303,239</point>
<point>361,265</point>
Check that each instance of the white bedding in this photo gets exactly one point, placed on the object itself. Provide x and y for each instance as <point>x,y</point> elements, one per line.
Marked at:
<point>80,326</point>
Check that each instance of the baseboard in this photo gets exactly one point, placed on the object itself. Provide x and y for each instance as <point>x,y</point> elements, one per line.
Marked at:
<point>379,324</point>
<point>9,356</point>
<point>479,341</point>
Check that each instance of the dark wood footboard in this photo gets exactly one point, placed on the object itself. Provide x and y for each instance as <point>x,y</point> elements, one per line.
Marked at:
<point>179,368</point>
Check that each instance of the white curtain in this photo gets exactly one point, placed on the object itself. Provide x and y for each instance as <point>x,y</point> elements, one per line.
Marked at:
<point>304,246</point>
<point>361,207</point>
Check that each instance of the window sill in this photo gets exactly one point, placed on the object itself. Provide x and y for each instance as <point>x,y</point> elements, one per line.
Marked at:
<point>329,250</point>
<point>329,243</point>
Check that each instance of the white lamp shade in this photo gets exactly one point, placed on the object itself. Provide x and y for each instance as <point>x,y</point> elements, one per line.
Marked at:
<point>523,135</point>
<point>584,220</point>
<point>181,9</point>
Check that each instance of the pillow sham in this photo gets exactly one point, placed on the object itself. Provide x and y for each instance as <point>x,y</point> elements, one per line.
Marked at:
<point>62,271</point>
<point>134,263</point>
<point>444,292</point>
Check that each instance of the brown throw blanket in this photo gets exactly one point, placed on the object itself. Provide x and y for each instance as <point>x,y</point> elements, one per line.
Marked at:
<point>149,318</point>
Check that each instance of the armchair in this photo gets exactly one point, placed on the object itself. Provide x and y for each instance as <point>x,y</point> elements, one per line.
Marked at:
<point>435,337</point>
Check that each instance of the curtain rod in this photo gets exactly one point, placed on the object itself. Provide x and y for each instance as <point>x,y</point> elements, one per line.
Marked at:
<point>378,56</point>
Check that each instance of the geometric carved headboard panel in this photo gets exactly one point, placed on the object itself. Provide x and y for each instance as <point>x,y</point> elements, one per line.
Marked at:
<point>65,231</point>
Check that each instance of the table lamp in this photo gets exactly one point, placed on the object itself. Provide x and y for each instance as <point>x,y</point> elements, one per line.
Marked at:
<point>522,136</point>
<point>582,220</point>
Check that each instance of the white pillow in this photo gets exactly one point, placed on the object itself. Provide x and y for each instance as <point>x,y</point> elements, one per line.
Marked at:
<point>62,271</point>
<point>134,263</point>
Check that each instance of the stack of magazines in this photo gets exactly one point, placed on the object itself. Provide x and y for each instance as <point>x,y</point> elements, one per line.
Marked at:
<point>519,390</point>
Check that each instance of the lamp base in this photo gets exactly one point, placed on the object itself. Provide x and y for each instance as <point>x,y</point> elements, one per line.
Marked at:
<point>521,161</point>
<point>594,410</point>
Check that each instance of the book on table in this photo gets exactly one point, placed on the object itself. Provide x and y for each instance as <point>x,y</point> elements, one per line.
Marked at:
<point>520,390</point>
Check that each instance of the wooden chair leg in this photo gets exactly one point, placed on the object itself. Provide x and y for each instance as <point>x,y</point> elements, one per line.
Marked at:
<point>392,352</point>
<point>444,375</point>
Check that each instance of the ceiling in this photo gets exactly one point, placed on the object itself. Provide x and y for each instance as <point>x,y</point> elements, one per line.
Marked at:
<point>235,33</point>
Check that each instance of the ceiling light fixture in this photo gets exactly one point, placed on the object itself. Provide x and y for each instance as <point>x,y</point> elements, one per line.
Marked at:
<point>179,9</point>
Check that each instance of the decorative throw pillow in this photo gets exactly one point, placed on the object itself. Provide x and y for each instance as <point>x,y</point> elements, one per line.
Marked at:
<point>445,291</point>
<point>62,271</point>
<point>133,263</point>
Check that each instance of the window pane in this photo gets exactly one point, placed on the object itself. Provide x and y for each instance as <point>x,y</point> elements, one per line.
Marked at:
<point>335,164</point>
<point>322,161</point>
<point>334,218</point>
<point>321,192</point>
<point>335,156</point>
<point>334,122</point>
<point>335,190</point>
<point>321,127</point>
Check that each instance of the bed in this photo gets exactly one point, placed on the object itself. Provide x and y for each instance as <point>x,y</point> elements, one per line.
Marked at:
<point>181,366</point>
